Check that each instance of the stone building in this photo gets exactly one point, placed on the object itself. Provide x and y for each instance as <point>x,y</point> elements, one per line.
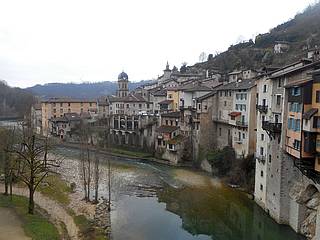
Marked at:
<point>57,107</point>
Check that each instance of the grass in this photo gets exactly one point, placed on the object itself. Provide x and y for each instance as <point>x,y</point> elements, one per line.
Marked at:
<point>88,231</point>
<point>35,226</point>
<point>59,190</point>
<point>56,189</point>
<point>130,153</point>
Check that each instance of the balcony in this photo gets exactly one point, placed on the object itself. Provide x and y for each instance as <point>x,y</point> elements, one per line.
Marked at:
<point>262,108</point>
<point>306,167</point>
<point>271,127</point>
<point>241,123</point>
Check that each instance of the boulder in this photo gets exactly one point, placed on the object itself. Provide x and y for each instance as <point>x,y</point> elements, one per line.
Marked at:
<point>314,202</point>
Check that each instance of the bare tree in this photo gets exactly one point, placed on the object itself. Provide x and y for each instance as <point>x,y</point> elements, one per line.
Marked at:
<point>34,164</point>
<point>203,57</point>
<point>96,175</point>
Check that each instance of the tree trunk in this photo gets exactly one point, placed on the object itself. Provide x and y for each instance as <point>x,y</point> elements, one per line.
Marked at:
<point>11,186</point>
<point>6,174</point>
<point>96,177</point>
<point>89,173</point>
<point>31,201</point>
<point>109,184</point>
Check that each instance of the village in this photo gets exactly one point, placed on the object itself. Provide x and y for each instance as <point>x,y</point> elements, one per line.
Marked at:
<point>268,114</point>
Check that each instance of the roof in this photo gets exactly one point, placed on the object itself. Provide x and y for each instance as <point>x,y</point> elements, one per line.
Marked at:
<point>171,114</point>
<point>161,92</point>
<point>235,114</point>
<point>240,85</point>
<point>166,101</point>
<point>297,83</point>
<point>280,72</point>
<point>167,129</point>
<point>130,98</point>
<point>206,96</point>
<point>307,115</point>
<point>68,100</point>
<point>198,88</point>
<point>37,106</point>
<point>72,116</point>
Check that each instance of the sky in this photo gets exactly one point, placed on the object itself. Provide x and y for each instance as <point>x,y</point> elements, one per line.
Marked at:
<point>43,41</point>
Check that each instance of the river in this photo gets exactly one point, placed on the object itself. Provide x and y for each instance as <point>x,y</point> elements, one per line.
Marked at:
<point>157,202</point>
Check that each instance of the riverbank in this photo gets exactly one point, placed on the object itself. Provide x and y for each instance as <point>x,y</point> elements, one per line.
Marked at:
<point>36,227</point>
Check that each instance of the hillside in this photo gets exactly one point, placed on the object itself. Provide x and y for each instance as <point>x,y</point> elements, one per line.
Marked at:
<point>14,102</point>
<point>81,90</point>
<point>302,32</point>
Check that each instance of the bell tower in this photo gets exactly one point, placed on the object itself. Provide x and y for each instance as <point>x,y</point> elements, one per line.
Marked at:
<point>123,81</point>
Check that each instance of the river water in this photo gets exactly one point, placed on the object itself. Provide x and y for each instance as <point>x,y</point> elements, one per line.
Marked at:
<point>156,202</point>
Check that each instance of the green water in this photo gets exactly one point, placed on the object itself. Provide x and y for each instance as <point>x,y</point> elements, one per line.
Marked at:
<point>155,202</point>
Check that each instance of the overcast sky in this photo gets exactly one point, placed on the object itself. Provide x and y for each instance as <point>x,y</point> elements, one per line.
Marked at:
<point>72,40</point>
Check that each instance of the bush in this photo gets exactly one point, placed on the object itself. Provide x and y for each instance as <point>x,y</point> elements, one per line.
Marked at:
<point>221,160</point>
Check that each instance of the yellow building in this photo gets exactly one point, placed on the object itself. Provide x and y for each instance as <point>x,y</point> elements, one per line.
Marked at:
<point>57,107</point>
<point>174,95</point>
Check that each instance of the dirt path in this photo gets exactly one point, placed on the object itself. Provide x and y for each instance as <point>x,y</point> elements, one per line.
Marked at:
<point>57,213</point>
<point>10,226</point>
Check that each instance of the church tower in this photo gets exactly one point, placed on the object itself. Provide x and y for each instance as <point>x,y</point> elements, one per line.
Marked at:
<point>123,81</point>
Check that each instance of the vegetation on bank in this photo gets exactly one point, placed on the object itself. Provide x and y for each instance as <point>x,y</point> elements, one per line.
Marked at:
<point>59,190</point>
<point>236,171</point>
<point>35,225</point>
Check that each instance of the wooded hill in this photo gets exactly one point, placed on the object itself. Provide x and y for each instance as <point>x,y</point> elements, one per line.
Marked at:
<point>14,102</point>
<point>302,32</point>
<point>80,90</point>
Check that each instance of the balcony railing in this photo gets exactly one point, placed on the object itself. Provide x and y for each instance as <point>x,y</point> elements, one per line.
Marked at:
<point>271,127</point>
<point>262,108</point>
<point>241,123</point>
<point>306,167</point>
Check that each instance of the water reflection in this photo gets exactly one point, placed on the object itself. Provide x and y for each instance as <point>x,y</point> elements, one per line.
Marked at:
<point>154,202</point>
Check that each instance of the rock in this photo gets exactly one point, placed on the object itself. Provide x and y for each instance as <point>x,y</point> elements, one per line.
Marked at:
<point>308,227</point>
<point>314,202</point>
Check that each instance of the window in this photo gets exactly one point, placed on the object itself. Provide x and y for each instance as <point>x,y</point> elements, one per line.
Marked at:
<point>171,122</point>
<point>61,110</point>
<point>220,93</point>
<point>54,110</point>
<point>69,104</point>
<point>90,104</point>
<point>225,93</point>
<point>170,96</point>
<point>243,136</point>
<point>225,103</point>
<point>261,151</point>
<point>220,132</point>
<point>81,109</point>
<point>140,105</point>
<point>298,122</point>
<point>279,82</point>
<point>297,144</point>
<point>69,110</point>
<point>81,104</point>
<point>61,104</point>
<point>205,107</point>
<point>148,105</point>
<point>167,122</point>
<point>199,106</point>
<point>261,187</point>
<point>296,91</point>
<point>262,137</point>
<point>261,173</point>
<point>318,97</point>
<point>127,105</point>
<point>269,158</point>
<point>316,122</point>
<point>264,88</point>
<point>230,94</point>
<point>278,99</point>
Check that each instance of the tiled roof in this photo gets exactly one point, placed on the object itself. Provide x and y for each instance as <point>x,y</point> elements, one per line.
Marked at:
<point>308,115</point>
<point>166,101</point>
<point>130,98</point>
<point>167,129</point>
<point>161,92</point>
<point>234,114</point>
<point>297,83</point>
<point>240,85</point>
